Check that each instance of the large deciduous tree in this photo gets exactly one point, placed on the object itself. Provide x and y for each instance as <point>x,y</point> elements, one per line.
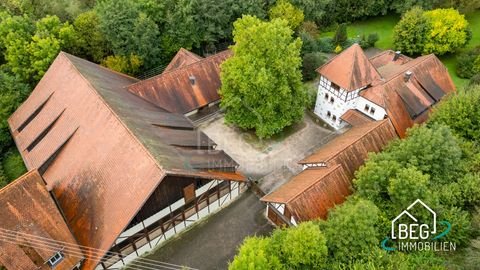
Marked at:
<point>91,43</point>
<point>436,31</point>
<point>262,83</point>
<point>254,254</point>
<point>129,31</point>
<point>285,10</point>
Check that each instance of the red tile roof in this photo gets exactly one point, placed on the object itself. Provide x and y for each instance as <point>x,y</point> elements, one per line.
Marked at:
<point>355,117</point>
<point>181,59</point>
<point>31,226</point>
<point>351,69</point>
<point>186,88</point>
<point>102,150</point>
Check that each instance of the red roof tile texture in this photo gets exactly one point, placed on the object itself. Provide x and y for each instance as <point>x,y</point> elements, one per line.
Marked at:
<point>103,151</point>
<point>30,225</point>
<point>185,88</point>
<point>351,70</point>
<point>181,59</point>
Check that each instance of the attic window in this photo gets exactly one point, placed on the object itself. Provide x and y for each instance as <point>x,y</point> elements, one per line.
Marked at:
<point>367,108</point>
<point>192,79</point>
<point>335,87</point>
<point>55,259</point>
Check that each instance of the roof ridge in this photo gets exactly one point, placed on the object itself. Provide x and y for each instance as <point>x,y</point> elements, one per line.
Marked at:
<point>328,172</point>
<point>205,59</point>
<point>15,182</point>
<point>423,58</point>
<point>130,133</point>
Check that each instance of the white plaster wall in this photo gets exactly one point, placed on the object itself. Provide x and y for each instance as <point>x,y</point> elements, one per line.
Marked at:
<point>379,113</point>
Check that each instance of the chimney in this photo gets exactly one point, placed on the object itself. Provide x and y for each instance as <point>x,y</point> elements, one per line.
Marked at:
<point>408,74</point>
<point>192,79</point>
<point>397,55</point>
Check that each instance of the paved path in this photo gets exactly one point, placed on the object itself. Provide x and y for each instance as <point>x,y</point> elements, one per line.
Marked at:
<point>211,244</point>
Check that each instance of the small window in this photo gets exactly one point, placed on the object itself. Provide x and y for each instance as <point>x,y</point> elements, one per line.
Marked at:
<point>372,111</point>
<point>367,108</point>
<point>55,259</point>
<point>332,100</point>
<point>334,118</point>
<point>329,114</point>
<point>326,96</point>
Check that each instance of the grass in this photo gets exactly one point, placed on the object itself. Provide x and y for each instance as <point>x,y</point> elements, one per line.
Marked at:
<point>383,26</point>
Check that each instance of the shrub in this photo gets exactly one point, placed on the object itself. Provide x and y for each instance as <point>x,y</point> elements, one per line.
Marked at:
<point>436,31</point>
<point>474,81</point>
<point>468,63</point>
<point>326,45</point>
<point>338,49</point>
<point>254,254</point>
<point>341,35</point>
<point>309,27</point>
<point>301,247</point>
<point>312,61</point>
<point>309,44</point>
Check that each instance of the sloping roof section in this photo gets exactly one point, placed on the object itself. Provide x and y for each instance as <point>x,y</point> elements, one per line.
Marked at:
<point>351,69</point>
<point>355,117</point>
<point>368,137</point>
<point>408,101</point>
<point>108,149</point>
<point>30,224</point>
<point>181,59</point>
<point>311,193</point>
<point>388,57</point>
<point>186,88</point>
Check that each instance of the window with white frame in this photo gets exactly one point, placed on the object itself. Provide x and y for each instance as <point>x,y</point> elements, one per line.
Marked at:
<point>55,259</point>
<point>372,110</point>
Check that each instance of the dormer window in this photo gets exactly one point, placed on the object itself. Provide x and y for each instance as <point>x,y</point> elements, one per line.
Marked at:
<point>372,111</point>
<point>192,79</point>
<point>335,87</point>
<point>55,259</point>
<point>367,108</point>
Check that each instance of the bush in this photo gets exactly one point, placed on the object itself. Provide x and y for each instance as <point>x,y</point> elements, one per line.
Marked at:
<point>309,44</point>
<point>301,247</point>
<point>341,35</point>
<point>436,31</point>
<point>326,45</point>
<point>309,27</point>
<point>351,230</point>
<point>474,81</point>
<point>254,254</point>
<point>123,64</point>
<point>312,61</point>
<point>468,63</point>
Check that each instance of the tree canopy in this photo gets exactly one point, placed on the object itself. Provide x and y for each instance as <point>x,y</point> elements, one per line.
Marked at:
<point>436,31</point>
<point>262,82</point>
<point>285,10</point>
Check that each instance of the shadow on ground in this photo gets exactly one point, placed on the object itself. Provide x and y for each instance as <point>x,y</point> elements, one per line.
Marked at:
<point>212,243</point>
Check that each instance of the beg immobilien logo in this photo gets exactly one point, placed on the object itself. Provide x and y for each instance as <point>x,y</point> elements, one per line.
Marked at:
<point>413,233</point>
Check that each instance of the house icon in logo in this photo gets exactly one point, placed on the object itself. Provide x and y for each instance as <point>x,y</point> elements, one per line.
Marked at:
<point>413,230</point>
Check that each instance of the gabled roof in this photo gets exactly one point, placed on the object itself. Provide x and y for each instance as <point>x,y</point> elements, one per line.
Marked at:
<point>388,57</point>
<point>409,101</point>
<point>355,117</point>
<point>186,88</point>
<point>103,151</point>
<point>340,143</point>
<point>351,69</point>
<point>181,59</point>
<point>30,224</point>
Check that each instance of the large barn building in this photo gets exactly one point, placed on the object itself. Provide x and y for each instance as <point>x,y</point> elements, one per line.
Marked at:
<point>116,168</point>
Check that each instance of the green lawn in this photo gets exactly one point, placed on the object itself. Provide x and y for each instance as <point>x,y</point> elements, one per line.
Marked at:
<point>383,26</point>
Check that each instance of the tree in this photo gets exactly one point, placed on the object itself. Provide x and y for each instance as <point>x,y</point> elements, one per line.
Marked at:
<point>312,61</point>
<point>90,43</point>
<point>314,10</point>
<point>403,6</point>
<point>460,112</point>
<point>341,35</point>
<point>254,254</point>
<point>262,83</point>
<point>448,31</point>
<point>342,11</point>
<point>285,10</point>
<point>301,247</point>
<point>406,186</point>
<point>468,63</point>
<point>436,31</point>
<point>124,64</point>
<point>411,32</point>
<point>350,230</point>
<point>129,31</point>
